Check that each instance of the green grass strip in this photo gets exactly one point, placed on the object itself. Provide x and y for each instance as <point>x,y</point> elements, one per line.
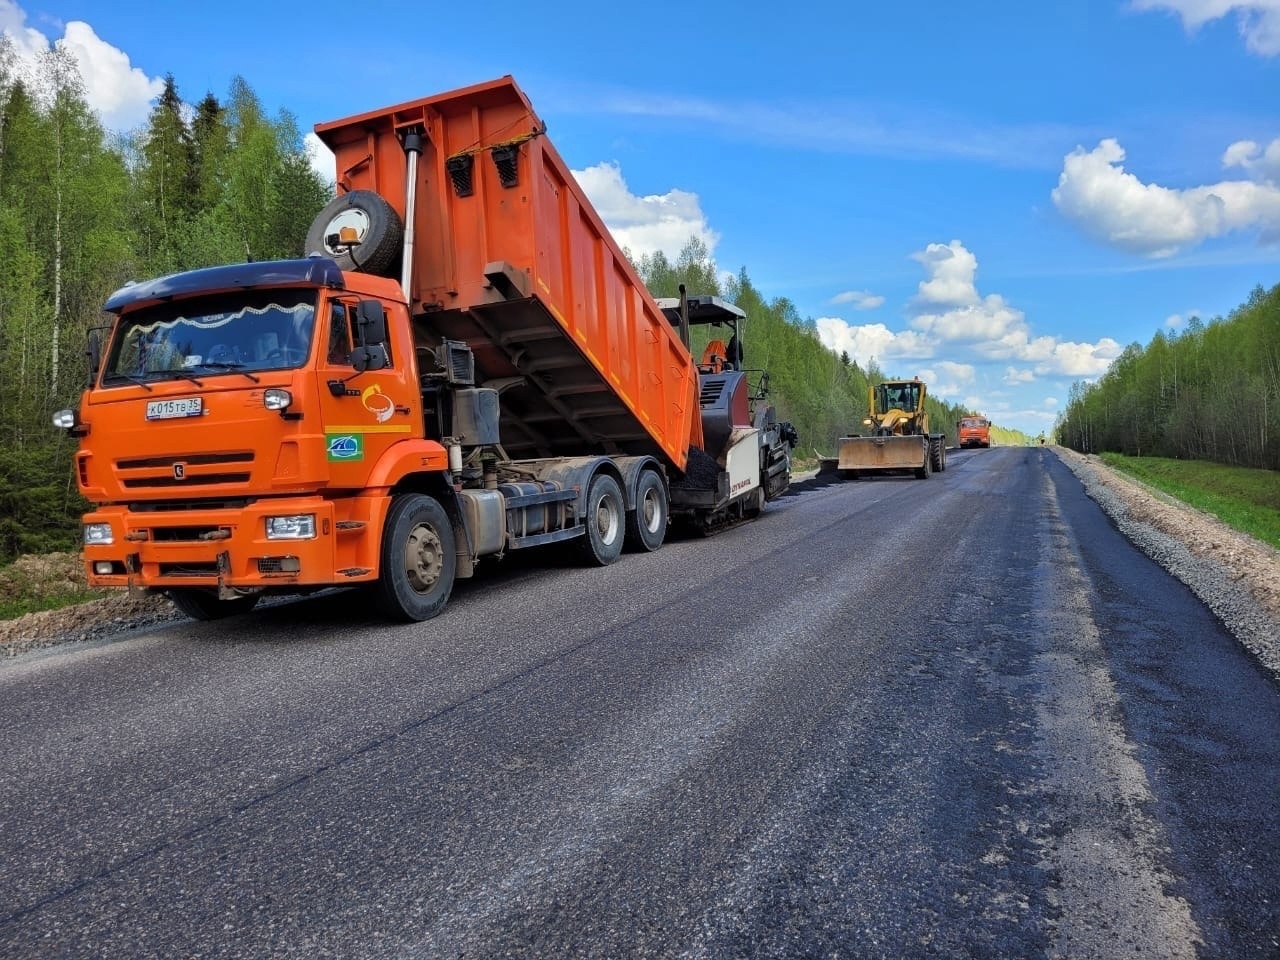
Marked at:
<point>1243,498</point>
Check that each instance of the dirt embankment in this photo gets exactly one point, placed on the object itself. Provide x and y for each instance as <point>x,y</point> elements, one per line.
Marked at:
<point>56,574</point>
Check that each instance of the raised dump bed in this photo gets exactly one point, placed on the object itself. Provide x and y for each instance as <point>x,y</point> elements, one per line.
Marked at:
<point>510,257</point>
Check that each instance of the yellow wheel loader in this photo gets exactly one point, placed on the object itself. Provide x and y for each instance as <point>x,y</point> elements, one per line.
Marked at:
<point>899,437</point>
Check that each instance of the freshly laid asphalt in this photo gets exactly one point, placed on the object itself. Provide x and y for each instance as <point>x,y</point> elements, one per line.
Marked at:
<point>960,717</point>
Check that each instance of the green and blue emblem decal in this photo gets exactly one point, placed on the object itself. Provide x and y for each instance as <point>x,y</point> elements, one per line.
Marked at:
<point>344,446</point>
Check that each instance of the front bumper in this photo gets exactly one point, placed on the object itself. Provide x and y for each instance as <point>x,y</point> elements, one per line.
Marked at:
<point>227,547</point>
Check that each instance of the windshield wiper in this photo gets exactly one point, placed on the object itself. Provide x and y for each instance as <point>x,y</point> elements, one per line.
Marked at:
<point>228,365</point>
<point>113,377</point>
<point>177,373</point>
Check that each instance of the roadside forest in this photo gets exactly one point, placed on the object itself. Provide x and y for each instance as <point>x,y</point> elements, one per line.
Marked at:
<point>84,211</point>
<point>1211,392</point>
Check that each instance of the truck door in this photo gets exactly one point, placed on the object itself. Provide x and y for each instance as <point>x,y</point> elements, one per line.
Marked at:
<point>373,409</point>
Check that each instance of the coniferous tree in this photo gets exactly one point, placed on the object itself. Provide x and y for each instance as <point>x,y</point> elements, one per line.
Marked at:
<point>165,177</point>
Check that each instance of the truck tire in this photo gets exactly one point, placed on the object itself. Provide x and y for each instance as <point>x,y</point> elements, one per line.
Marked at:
<point>377,225</point>
<point>201,604</point>
<point>418,560</point>
<point>647,523</point>
<point>605,522</point>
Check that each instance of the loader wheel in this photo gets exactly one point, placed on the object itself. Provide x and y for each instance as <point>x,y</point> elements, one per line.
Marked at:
<point>935,455</point>
<point>922,473</point>
<point>605,522</point>
<point>378,228</point>
<point>418,560</point>
<point>647,523</point>
<point>200,604</point>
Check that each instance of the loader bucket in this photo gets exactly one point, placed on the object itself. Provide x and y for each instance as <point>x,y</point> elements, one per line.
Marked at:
<point>883,453</point>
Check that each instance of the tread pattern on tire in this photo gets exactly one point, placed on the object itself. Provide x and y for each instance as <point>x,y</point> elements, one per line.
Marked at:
<point>379,251</point>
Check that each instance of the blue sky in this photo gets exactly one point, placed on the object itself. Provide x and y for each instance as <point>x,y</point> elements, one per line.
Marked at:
<point>997,196</point>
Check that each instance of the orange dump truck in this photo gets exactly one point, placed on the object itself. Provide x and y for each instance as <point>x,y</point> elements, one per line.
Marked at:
<point>973,431</point>
<point>465,365</point>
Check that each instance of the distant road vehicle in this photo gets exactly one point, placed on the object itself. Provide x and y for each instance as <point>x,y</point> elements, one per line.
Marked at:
<point>973,432</point>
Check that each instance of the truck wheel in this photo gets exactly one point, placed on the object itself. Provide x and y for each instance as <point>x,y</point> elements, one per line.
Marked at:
<point>201,604</point>
<point>378,228</point>
<point>418,559</point>
<point>647,523</point>
<point>602,543</point>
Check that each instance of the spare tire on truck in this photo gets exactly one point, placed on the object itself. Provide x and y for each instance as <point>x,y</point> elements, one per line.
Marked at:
<point>379,230</point>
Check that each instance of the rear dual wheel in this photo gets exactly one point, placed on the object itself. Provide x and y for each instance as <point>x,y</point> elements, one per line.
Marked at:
<point>647,523</point>
<point>605,524</point>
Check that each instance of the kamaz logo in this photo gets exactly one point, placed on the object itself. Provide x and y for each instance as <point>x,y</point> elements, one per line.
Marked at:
<point>179,471</point>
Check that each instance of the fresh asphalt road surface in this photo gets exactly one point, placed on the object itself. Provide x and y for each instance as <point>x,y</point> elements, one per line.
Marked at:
<point>953,718</point>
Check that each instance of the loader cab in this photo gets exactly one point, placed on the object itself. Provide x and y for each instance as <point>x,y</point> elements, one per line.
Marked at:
<point>899,395</point>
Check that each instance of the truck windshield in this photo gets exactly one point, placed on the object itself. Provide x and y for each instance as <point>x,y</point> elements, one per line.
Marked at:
<point>222,334</point>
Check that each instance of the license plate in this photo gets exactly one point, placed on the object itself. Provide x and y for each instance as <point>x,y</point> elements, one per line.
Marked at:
<point>178,407</point>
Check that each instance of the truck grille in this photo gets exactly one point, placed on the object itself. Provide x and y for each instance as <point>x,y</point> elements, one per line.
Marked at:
<point>189,570</point>
<point>183,471</point>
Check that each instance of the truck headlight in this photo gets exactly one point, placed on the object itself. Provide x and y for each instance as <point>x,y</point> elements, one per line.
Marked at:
<point>300,527</point>
<point>276,399</point>
<point>98,535</point>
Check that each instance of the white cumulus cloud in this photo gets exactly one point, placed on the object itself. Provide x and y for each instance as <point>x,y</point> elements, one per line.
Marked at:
<point>952,269</point>
<point>1095,192</point>
<point>1258,20</point>
<point>948,379</point>
<point>1080,359</point>
<point>858,299</point>
<point>954,319</point>
<point>1260,163</point>
<point>320,157</point>
<point>645,225</point>
<point>1014,376</point>
<point>871,341</point>
<point>120,92</point>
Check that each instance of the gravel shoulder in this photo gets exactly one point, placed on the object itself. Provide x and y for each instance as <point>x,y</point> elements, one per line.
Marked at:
<point>1237,576</point>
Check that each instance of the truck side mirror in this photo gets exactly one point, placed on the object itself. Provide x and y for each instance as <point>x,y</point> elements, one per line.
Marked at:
<point>371,324</point>
<point>371,337</point>
<point>94,352</point>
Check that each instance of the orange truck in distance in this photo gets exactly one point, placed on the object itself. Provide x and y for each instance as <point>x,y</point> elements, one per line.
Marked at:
<point>973,431</point>
<point>465,365</point>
